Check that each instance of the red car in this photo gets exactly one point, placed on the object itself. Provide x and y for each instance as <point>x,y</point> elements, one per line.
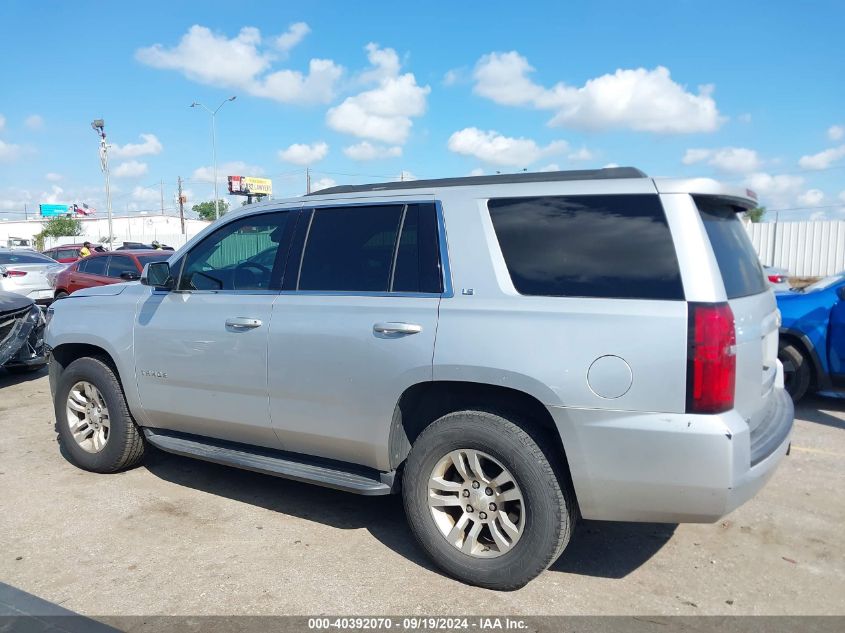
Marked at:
<point>101,269</point>
<point>67,253</point>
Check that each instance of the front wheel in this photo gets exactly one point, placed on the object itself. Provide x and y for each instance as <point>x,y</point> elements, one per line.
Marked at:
<point>484,501</point>
<point>796,370</point>
<point>93,420</point>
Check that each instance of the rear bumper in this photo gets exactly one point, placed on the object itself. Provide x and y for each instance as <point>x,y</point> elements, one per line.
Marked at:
<point>673,468</point>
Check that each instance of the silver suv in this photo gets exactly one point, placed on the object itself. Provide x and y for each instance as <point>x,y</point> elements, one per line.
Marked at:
<point>509,352</point>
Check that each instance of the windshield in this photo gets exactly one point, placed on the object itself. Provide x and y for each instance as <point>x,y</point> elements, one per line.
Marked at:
<point>827,282</point>
<point>24,258</point>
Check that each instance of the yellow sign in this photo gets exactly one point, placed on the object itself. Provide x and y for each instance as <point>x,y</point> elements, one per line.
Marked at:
<point>249,186</point>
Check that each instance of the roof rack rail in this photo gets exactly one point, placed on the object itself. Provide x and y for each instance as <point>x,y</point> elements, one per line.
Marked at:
<point>607,173</point>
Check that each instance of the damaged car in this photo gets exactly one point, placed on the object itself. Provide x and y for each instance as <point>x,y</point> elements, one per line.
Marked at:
<point>21,334</point>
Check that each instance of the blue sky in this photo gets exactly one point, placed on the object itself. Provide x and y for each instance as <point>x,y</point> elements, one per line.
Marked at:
<point>743,92</point>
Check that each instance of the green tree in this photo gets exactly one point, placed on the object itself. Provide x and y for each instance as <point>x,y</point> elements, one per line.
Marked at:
<point>756,214</point>
<point>206,209</point>
<point>59,226</point>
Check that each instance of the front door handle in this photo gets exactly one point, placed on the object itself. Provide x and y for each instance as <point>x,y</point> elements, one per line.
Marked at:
<point>243,323</point>
<point>397,328</point>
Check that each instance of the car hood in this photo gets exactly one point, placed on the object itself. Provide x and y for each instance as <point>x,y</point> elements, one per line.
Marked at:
<point>109,290</point>
<point>10,301</point>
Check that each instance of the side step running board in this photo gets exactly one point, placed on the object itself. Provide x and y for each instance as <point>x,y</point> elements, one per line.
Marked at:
<point>276,463</point>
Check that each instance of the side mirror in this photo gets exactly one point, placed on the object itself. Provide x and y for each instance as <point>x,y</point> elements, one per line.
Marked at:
<point>129,276</point>
<point>157,274</point>
<point>840,292</point>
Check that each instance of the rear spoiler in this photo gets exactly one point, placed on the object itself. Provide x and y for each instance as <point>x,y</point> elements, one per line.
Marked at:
<point>740,197</point>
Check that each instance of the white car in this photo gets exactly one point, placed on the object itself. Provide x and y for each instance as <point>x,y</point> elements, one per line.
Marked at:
<point>778,278</point>
<point>25,272</point>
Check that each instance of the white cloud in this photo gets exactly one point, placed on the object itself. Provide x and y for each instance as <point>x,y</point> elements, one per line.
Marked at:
<point>130,169</point>
<point>636,99</point>
<point>816,216</point>
<point>367,151</point>
<point>304,154</point>
<point>406,176</point>
<point>56,196</point>
<point>811,197</point>
<point>34,122</point>
<point>745,117</point>
<point>456,76</point>
<point>2,122</point>
<point>231,168</point>
<point>477,172</point>
<point>610,165</point>
<point>550,167</point>
<point>492,147</point>
<point>842,196</point>
<point>292,86</point>
<point>385,112</point>
<point>775,191</point>
<point>581,155</point>
<point>9,152</point>
<point>150,146</point>
<point>53,177</point>
<point>242,62</point>
<point>836,132</point>
<point>823,159</point>
<point>294,35</point>
<point>738,160</point>
<point>322,183</point>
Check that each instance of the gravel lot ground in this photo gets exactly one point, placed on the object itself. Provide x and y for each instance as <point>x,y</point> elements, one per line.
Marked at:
<point>178,536</point>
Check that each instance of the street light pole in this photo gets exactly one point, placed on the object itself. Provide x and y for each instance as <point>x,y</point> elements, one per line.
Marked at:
<point>213,114</point>
<point>99,127</point>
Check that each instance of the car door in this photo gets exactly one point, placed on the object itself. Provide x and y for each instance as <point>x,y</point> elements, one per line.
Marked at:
<point>90,272</point>
<point>201,349</point>
<point>353,328</point>
<point>836,337</point>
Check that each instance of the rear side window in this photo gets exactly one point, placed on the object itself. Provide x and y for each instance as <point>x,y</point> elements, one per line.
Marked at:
<point>119,264</point>
<point>95,266</point>
<point>609,246</point>
<point>418,253</point>
<point>739,265</point>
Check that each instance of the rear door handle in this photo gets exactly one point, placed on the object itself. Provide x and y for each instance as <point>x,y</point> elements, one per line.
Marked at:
<point>397,328</point>
<point>243,323</point>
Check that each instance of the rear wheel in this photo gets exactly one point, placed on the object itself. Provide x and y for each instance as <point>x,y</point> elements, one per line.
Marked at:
<point>484,501</point>
<point>796,370</point>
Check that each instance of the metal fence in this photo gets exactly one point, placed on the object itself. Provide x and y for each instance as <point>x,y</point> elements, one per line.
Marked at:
<point>805,249</point>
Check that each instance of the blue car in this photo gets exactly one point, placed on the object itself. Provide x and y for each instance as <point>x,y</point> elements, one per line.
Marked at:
<point>812,337</point>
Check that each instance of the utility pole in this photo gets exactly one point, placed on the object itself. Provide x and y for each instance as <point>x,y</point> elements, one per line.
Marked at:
<point>161,185</point>
<point>181,206</point>
<point>401,175</point>
<point>99,127</point>
<point>25,212</point>
<point>307,180</point>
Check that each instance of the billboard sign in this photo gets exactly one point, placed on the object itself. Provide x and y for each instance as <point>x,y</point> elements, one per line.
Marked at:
<point>53,210</point>
<point>249,186</point>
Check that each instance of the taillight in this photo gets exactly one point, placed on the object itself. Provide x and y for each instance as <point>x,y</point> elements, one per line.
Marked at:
<point>16,273</point>
<point>711,358</point>
<point>777,279</point>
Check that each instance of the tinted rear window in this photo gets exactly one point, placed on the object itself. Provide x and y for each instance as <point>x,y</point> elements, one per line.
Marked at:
<point>588,246</point>
<point>741,270</point>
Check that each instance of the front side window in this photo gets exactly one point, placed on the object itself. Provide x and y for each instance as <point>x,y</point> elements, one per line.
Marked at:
<point>241,255</point>
<point>120,264</point>
<point>615,246</point>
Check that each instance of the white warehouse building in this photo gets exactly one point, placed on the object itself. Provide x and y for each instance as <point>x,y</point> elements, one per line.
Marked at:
<point>127,228</point>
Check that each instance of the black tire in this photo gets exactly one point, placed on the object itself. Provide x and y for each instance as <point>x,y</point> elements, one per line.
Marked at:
<point>548,504</point>
<point>125,444</point>
<point>61,294</point>
<point>796,370</point>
